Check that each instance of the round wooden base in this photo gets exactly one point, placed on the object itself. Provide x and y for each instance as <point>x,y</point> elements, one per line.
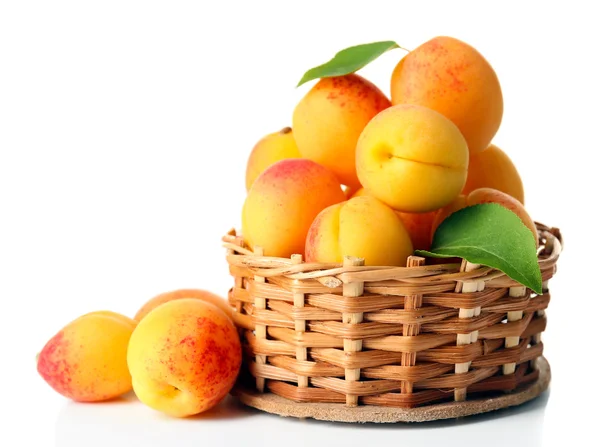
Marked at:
<point>271,403</point>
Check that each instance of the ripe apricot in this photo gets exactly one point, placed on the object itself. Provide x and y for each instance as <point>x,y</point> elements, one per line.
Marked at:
<point>362,227</point>
<point>269,150</point>
<point>418,225</point>
<point>178,294</point>
<point>359,193</point>
<point>284,201</point>
<point>492,168</point>
<point>452,77</point>
<point>86,360</point>
<point>184,357</point>
<point>412,158</point>
<point>329,119</point>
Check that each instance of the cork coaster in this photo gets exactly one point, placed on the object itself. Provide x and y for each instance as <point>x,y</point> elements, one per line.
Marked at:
<point>271,403</point>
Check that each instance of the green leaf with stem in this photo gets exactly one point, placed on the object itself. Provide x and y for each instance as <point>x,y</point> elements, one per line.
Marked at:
<point>491,235</point>
<point>349,60</point>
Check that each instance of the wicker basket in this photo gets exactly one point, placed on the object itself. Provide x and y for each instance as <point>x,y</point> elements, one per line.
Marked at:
<point>386,336</point>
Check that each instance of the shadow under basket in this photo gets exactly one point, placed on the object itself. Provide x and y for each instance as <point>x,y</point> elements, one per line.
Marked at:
<point>402,337</point>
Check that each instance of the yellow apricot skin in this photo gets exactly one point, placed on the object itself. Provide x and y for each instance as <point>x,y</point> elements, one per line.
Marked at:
<point>110,314</point>
<point>359,193</point>
<point>178,294</point>
<point>453,78</point>
<point>86,361</point>
<point>329,119</point>
<point>418,225</point>
<point>412,158</point>
<point>184,357</point>
<point>362,227</point>
<point>283,202</point>
<point>269,150</point>
<point>493,168</point>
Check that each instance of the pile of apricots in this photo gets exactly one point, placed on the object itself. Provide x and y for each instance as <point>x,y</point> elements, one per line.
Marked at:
<point>366,175</point>
<point>180,354</point>
<point>358,173</point>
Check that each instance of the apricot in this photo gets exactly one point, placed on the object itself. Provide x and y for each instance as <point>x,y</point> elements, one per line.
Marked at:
<point>200,294</point>
<point>359,193</point>
<point>109,313</point>
<point>453,78</point>
<point>418,225</point>
<point>184,357</point>
<point>362,227</point>
<point>412,158</point>
<point>270,149</point>
<point>284,201</point>
<point>487,195</point>
<point>492,168</point>
<point>329,119</point>
<point>86,360</point>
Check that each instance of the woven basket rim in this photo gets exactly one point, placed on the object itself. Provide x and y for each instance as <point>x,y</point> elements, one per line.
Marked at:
<point>335,274</point>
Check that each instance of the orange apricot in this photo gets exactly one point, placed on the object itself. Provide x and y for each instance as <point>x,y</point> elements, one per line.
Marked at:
<point>184,357</point>
<point>86,360</point>
<point>418,226</point>
<point>178,294</point>
<point>453,78</point>
<point>269,150</point>
<point>492,168</point>
<point>329,119</point>
<point>284,201</point>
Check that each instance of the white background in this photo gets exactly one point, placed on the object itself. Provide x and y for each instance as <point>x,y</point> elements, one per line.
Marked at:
<point>124,133</point>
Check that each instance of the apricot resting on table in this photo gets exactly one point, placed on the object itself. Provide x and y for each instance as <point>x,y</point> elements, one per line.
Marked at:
<point>86,360</point>
<point>453,78</point>
<point>200,294</point>
<point>487,195</point>
<point>269,150</point>
<point>284,201</point>
<point>329,119</point>
<point>184,357</point>
<point>412,158</point>
<point>362,227</point>
<point>492,168</point>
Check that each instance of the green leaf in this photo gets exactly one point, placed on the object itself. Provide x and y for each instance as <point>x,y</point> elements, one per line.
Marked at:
<point>490,235</point>
<point>349,60</point>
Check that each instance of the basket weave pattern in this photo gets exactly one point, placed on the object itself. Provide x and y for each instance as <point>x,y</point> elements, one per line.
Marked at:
<point>392,336</point>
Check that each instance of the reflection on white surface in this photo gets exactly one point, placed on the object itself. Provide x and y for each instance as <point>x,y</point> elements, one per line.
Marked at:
<point>129,423</point>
